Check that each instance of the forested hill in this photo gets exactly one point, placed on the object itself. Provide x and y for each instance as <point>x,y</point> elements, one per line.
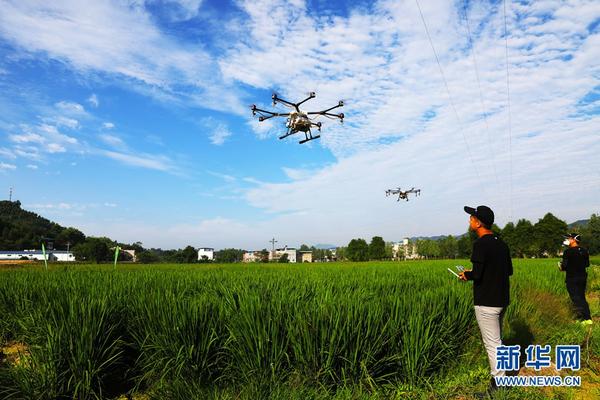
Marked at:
<point>21,229</point>
<point>578,224</point>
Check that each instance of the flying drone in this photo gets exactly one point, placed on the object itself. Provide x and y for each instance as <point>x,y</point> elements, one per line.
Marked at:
<point>298,120</point>
<point>403,195</point>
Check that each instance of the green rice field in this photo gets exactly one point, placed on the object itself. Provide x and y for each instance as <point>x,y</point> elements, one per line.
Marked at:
<point>374,330</point>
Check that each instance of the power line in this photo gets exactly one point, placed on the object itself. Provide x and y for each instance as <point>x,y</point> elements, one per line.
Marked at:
<point>450,97</point>
<point>509,114</point>
<point>481,101</point>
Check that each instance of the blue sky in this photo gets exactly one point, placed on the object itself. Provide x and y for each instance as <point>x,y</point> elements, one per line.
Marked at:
<point>130,119</point>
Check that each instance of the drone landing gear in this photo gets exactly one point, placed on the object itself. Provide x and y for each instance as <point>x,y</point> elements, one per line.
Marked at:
<point>308,135</point>
<point>289,133</point>
<point>309,138</point>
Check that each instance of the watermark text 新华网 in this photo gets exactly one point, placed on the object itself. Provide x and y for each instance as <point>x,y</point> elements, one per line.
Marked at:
<point>567,357</point>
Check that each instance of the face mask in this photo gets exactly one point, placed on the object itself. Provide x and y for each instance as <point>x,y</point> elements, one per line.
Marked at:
<point>566,242</point>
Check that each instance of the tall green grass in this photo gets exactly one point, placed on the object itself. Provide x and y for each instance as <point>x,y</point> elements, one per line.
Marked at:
<point>94,333</point>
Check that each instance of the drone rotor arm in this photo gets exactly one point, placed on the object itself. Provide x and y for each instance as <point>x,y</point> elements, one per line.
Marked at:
<point>266,117</point>
<point>327,110</point>
<point>285,102</point>
<point>260,111</point>
<point>310,96</point>
<point>266,114</point>
<point>326,114</point>
<point>333,108</point>
<point>322,112</point>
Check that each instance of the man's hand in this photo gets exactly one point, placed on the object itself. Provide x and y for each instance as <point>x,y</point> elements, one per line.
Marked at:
<point>462,276</point>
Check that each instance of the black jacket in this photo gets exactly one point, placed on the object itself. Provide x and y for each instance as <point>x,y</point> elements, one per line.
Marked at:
<point>492,267</point>
<point>575,260</point>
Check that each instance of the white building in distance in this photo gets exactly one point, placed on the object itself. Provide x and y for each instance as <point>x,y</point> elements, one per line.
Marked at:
<point>207,252</point>
<point>51,255</point>
<point>306,256</point>
<point>405,250</point>
<point>292,254</point>
<point>252,256</point>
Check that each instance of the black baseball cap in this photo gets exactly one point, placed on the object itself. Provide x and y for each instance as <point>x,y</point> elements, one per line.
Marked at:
<point>574,236</point>
<point>482,213</point>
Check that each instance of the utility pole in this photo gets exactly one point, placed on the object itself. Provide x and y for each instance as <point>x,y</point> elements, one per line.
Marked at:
<point>10,194</point>
<point>273,241</point>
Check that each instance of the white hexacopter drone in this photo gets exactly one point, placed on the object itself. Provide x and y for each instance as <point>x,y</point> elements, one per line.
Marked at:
<point>298,120</point>
<point>403,195</point>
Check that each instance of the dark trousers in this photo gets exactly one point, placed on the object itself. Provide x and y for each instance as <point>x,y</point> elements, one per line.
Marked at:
<point>576,289</point>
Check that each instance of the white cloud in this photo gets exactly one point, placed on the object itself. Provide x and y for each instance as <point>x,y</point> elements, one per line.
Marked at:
<point>112,140</point>
<point>225,177</point>
<point>59,206</point>
<point>219,134</point>
<point>298,174</point>
<point>180,10</point>
<point>55,148</point>
<point>93,100</point>
<point>63,209</point>
<point>6,166</point>
<point>7,153</point>
<point>32,166</point>
<point>70,108</point>
<point>26,138</point>
<point>218,130</point>
<point>216,232</point>
<point>159,163</point>
<point>70,123</point>
<point>123,154</point>
<point>108,125</point>
<point>119,39</point>
<point>35,140</point>
<point>28,151</point>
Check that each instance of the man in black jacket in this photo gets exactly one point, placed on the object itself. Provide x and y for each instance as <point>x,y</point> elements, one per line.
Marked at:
<point>492,267</point>
<point>574,262</point>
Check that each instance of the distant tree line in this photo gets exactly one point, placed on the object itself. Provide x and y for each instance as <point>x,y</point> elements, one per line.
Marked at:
<point>360,250</point>
<point>25,230</point>
<point>525,239</point>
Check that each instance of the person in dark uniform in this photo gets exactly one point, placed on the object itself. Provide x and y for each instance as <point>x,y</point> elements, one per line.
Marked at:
<point>492,267</point>
<point>574,262</point>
